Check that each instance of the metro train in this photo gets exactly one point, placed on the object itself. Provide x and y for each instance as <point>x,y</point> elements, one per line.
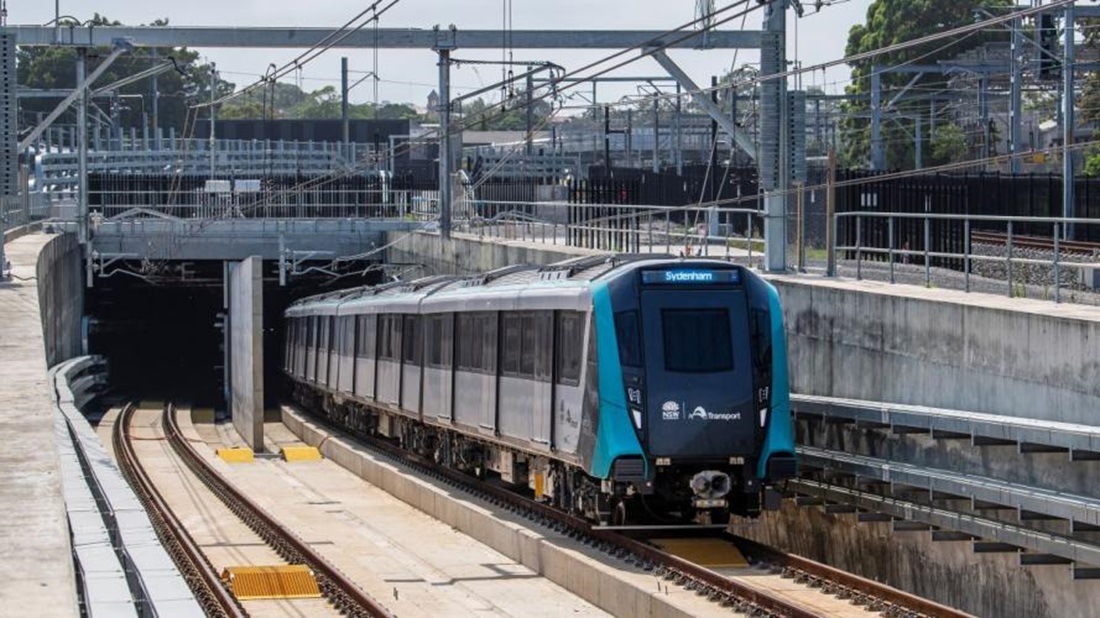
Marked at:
<point>629,389</point>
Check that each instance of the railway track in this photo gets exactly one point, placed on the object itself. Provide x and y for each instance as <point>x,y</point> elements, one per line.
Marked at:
<point>215,598</point>
<point>717,587</point>
<point>1045,243</point>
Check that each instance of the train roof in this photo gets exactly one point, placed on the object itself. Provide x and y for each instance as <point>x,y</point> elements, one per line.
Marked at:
<point>564,285</point>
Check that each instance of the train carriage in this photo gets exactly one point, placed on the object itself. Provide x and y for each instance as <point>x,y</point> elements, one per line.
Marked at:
<point>627,388</point>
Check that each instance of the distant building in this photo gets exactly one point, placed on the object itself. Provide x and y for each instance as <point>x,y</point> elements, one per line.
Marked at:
<point>433,106</point>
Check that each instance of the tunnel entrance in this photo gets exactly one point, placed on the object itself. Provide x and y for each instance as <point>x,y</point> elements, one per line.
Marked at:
<point>163,335</point>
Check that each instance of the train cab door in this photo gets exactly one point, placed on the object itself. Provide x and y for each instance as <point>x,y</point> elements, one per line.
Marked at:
<point>698,372</point>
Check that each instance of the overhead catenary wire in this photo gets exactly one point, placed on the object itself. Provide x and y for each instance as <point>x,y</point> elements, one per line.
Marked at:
<point>328,42</point>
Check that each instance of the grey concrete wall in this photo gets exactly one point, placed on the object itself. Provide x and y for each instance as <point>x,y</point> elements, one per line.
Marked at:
<point>60,274</point>
<point>466,254</point>
<point>949,572</point>
<point>246,350</point>
<point>902,344</point>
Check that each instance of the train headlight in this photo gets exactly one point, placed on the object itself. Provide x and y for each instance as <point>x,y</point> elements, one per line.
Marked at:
<point>710,484</point>
<point>636,414</point>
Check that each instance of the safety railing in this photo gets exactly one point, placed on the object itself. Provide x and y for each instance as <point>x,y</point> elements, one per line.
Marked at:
<point>1022,251</point>
<point>688,230</point>
<point>300,203</point>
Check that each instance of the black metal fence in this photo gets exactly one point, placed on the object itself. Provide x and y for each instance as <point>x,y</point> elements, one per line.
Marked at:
<point>994,194</point>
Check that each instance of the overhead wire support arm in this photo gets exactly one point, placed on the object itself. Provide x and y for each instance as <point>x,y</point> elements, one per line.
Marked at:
<point>154,70</point>
<point>743,140</point>
<point>121,47</point>
<point>543,66</point>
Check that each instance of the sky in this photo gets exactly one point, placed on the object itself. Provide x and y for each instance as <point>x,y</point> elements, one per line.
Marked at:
<point>408,75</point>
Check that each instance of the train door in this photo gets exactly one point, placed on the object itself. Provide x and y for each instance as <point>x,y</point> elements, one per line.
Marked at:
<point>698,372</point>
<point>311,348</point>
<point>412,353</point>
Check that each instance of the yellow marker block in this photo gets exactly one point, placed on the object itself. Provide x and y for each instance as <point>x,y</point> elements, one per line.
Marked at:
<point>239,454</point>
<point>540,485</point>
<point>711,553</point>
<point>293,581</point>
<point>301,453</point>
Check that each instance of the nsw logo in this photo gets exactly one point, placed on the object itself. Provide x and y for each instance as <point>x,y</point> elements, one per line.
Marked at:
<point>670,411</point>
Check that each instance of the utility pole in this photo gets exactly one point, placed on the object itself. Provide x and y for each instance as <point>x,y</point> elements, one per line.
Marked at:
<point>830,215</point>
<point>82,146</point>
<point>213,84</point>
<point>1068,207</point>
<point>530,112</point>
<point>345,123</point>
<point>656,134</point>
<point>607,142</point>
<point>1015,115</point>
<point>445,42</point>
<point>154,123</point>
<point>679,134</point>
<point>775,135</point>
<point>878,158</point>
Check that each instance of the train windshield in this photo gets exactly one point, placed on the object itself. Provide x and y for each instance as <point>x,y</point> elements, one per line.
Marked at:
<point>697,340</point>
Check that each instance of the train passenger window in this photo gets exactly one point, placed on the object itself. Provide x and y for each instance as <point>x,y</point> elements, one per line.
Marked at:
<point>345,335</point>
<point>412,344</point>
<point>323,333</point>
<point>477,342</point>
<point>389,334</point>
<point>367,331</point>
<point>311,335</point>
<point>628,335</point>
<point>570,347</point>
<point>439,340</point>
<point>527,358</point>
<point>511,348</point>
<point>544,345</point>
<point>697,340</point>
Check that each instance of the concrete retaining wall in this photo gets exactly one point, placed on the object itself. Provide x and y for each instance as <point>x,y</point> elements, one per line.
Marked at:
<point>901,344</point>
<point>466,254</point>
<point>60,274</point>
<point>948,572</point>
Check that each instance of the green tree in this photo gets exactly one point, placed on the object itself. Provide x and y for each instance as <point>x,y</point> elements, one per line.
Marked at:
<point>895,21</point>
<point>55,68</point>
<point>948,145</point>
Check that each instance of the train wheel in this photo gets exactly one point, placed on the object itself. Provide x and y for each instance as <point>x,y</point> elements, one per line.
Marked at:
<point>619,514</point>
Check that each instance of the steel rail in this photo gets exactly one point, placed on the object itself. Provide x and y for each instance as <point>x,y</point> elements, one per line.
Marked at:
<point>343,593</point>
<point>871,590</point>
<point>200,575</point>
<point>1034,242</point>
<point>715,586</point>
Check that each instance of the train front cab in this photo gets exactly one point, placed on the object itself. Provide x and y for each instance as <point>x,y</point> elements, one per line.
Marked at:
<point>694,346</point>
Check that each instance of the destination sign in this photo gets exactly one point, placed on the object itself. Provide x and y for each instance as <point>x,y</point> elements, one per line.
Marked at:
<point>690,276</point>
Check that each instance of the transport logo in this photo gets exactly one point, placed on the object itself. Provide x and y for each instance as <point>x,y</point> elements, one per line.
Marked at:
<point>701,412</point>
<point>670,411</point>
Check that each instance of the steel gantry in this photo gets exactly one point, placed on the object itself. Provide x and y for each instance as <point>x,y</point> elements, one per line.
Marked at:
<point>771,40</point>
